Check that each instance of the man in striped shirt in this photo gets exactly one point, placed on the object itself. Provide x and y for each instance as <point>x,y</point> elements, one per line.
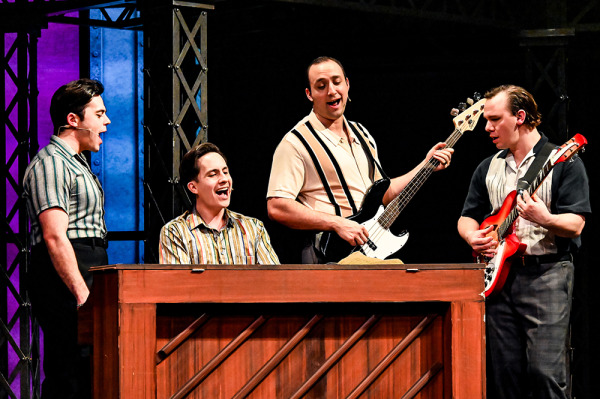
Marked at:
<point>65,204</point>
<point>210,233</point>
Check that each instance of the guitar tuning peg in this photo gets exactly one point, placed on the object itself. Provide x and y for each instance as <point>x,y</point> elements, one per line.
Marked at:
<point>462,106</point>
<point>477,96</point>
<point>454,112</point>
<point>470,101</point>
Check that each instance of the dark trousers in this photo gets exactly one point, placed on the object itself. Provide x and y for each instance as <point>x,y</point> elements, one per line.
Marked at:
<point>526,331</point>
<point>67,366</point>
<point>310,255</point>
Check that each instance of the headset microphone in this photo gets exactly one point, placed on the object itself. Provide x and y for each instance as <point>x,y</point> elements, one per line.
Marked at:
<point>76,128</point>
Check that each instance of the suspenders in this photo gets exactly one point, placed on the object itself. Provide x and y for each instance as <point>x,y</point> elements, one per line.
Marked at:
<point>328,168</point>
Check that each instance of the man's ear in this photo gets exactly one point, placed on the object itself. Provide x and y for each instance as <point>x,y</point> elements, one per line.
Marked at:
<point>521,115</point>
<point>192,187</point>
<point>307,91</point>
<point>72,119</point>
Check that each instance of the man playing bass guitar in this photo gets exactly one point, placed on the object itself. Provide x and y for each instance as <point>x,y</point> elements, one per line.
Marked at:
<point>527,320</point>
<point>323,167</point>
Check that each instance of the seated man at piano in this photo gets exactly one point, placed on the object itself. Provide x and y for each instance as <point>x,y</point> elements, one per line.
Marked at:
<point>324,166</point>
<point>210,233</point>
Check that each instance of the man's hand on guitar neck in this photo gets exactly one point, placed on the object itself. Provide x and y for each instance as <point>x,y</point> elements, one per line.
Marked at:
<point>442,154</point>
<point>533,209</point>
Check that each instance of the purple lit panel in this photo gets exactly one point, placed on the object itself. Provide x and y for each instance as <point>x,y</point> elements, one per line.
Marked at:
<point>58,63</point>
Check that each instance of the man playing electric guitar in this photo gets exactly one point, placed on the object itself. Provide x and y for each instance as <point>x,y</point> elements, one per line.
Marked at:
<point>325,165</point>
<point>527,320</point>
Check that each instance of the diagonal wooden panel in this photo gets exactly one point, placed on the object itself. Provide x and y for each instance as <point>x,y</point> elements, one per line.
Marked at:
<point>304,355</point>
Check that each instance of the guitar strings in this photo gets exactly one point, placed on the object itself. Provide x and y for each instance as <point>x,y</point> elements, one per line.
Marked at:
<point>397,205</point>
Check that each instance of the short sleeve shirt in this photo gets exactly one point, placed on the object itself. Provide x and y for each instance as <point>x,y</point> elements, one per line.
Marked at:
<point>294,176</point>
<point>58,177</point>
<point>565,190</point>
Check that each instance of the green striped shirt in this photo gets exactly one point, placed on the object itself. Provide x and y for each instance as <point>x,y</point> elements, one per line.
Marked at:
<point>58,177</point>
<point>243,241</point>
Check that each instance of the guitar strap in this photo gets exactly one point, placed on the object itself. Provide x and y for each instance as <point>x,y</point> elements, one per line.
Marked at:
<point>540,159</point>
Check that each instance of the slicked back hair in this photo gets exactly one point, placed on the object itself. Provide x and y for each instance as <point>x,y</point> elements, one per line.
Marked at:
<point>518,98</point>
<point>188,169</point>
<point>72,98</point>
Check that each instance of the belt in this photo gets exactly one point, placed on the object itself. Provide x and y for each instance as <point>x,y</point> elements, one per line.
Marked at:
<point>536,260</point>
<point>91,241</point>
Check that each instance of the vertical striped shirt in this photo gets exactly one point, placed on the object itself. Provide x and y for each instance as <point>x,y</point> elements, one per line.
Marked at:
<point>242,241</point>
<point>58,177</point>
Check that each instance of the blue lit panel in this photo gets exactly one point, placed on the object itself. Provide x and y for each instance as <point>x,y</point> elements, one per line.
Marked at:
<point>116,60</point>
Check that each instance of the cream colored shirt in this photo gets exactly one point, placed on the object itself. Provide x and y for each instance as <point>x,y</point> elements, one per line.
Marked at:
<point>293,173</point>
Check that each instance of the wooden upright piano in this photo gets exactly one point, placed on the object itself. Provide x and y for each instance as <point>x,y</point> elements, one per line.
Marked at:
<point>288,331</point>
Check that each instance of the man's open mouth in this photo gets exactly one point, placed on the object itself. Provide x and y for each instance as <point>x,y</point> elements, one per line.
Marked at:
<point>335,102</point>
<point>224,192</point>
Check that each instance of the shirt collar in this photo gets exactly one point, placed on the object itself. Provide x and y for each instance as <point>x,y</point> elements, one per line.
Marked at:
<point>62,145</point>
<point>334,138</point>
<point>67,151</point>
<point>509,157</point>
<point>194,220</point>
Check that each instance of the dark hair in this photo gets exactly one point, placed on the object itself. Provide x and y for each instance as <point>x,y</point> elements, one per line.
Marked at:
<point>320,60</point>
<point>519,98</point>
<point>72,98</point>
<point>188,169</point>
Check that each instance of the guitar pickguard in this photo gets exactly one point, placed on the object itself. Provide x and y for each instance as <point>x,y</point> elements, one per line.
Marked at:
<point>382,243</point>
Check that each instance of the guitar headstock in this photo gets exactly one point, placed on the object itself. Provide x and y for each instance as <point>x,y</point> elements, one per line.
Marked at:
<point>468,118</point>
<point>570,148</point>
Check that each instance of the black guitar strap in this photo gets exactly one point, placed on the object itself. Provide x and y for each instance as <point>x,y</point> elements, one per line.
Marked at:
<point>540,159</point>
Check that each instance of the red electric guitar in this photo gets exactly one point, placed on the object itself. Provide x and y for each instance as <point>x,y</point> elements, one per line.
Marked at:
<point>509,247</point>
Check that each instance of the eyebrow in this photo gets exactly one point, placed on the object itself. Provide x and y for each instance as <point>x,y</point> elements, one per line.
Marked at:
<point>217,169</point>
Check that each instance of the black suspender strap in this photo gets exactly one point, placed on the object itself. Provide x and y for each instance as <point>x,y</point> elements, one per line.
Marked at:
<point>320,172</point>
<point>366,149</point>
<point>336,166</point>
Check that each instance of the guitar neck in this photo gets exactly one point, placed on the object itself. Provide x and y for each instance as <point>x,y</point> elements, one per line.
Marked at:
<point>397,205</point>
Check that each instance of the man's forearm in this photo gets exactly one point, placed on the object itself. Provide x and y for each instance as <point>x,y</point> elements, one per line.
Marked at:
<point>465,226</point>
<point>297,216</point>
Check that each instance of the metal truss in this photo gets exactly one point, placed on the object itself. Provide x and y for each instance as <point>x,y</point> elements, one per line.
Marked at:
<point>498,14</point>
<point>175,69</point>
<point>547,76</point>
<point>19,13</point>
<point>15,309</point>
<point>492,13</point>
